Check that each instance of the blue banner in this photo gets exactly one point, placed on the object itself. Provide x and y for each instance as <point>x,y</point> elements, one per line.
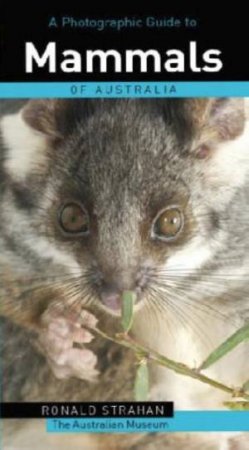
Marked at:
<point>124,89</point>
<point>182,421</point>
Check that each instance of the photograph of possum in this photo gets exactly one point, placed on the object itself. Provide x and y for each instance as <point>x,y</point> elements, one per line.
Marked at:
<point>102,196</point>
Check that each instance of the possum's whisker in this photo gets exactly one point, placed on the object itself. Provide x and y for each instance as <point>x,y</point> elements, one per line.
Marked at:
<point>189,321</point>
<point>205,306</point>
<point>169,316</point>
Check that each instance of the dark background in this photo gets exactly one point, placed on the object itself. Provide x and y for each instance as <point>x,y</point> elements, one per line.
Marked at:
<point>20,410</point>
<point>226,30</point>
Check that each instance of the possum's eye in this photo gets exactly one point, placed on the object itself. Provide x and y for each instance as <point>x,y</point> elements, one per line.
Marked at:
<point>167,224</point>
<point>74,219</point>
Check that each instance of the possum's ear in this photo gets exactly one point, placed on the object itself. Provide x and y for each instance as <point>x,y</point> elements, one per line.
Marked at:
<point>219,119</point>
<point>55,118</point>
<point>223,144</point>
<point>24,149</point>
<point>31,136</point>
<point>41,115</point>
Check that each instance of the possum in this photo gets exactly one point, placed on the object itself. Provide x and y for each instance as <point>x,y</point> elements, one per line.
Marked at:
<point>103,196</point>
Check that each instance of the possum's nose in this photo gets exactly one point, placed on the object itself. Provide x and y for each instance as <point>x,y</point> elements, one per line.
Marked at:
<point>111,294</point>
<point>111,298</point>
<point>110,284</point>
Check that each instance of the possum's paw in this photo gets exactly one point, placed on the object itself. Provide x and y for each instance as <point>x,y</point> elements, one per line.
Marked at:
<point>62,340</point>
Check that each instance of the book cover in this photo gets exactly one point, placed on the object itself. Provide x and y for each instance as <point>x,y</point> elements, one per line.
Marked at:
<point>124,292</point>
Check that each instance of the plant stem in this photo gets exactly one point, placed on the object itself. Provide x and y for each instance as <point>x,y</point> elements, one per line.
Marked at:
<point>126,341</point>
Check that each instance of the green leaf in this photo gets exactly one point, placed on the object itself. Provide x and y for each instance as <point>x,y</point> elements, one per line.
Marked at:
<point>240,406</point>
<point>141,387</point>
<point>128,300</point>
<point>239,336</point>
<point>245,386</point>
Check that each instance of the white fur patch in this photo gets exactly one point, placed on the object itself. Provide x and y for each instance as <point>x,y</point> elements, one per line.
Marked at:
<point>45,250</point>
<point>191,257</point>
<point>25,146</point>
<point>43,247</point>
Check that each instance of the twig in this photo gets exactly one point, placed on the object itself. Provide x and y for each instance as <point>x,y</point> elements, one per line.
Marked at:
<point>126,341</point>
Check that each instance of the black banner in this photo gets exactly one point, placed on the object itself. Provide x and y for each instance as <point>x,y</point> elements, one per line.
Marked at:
<point>35,410</point>
<point>84,28</point>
